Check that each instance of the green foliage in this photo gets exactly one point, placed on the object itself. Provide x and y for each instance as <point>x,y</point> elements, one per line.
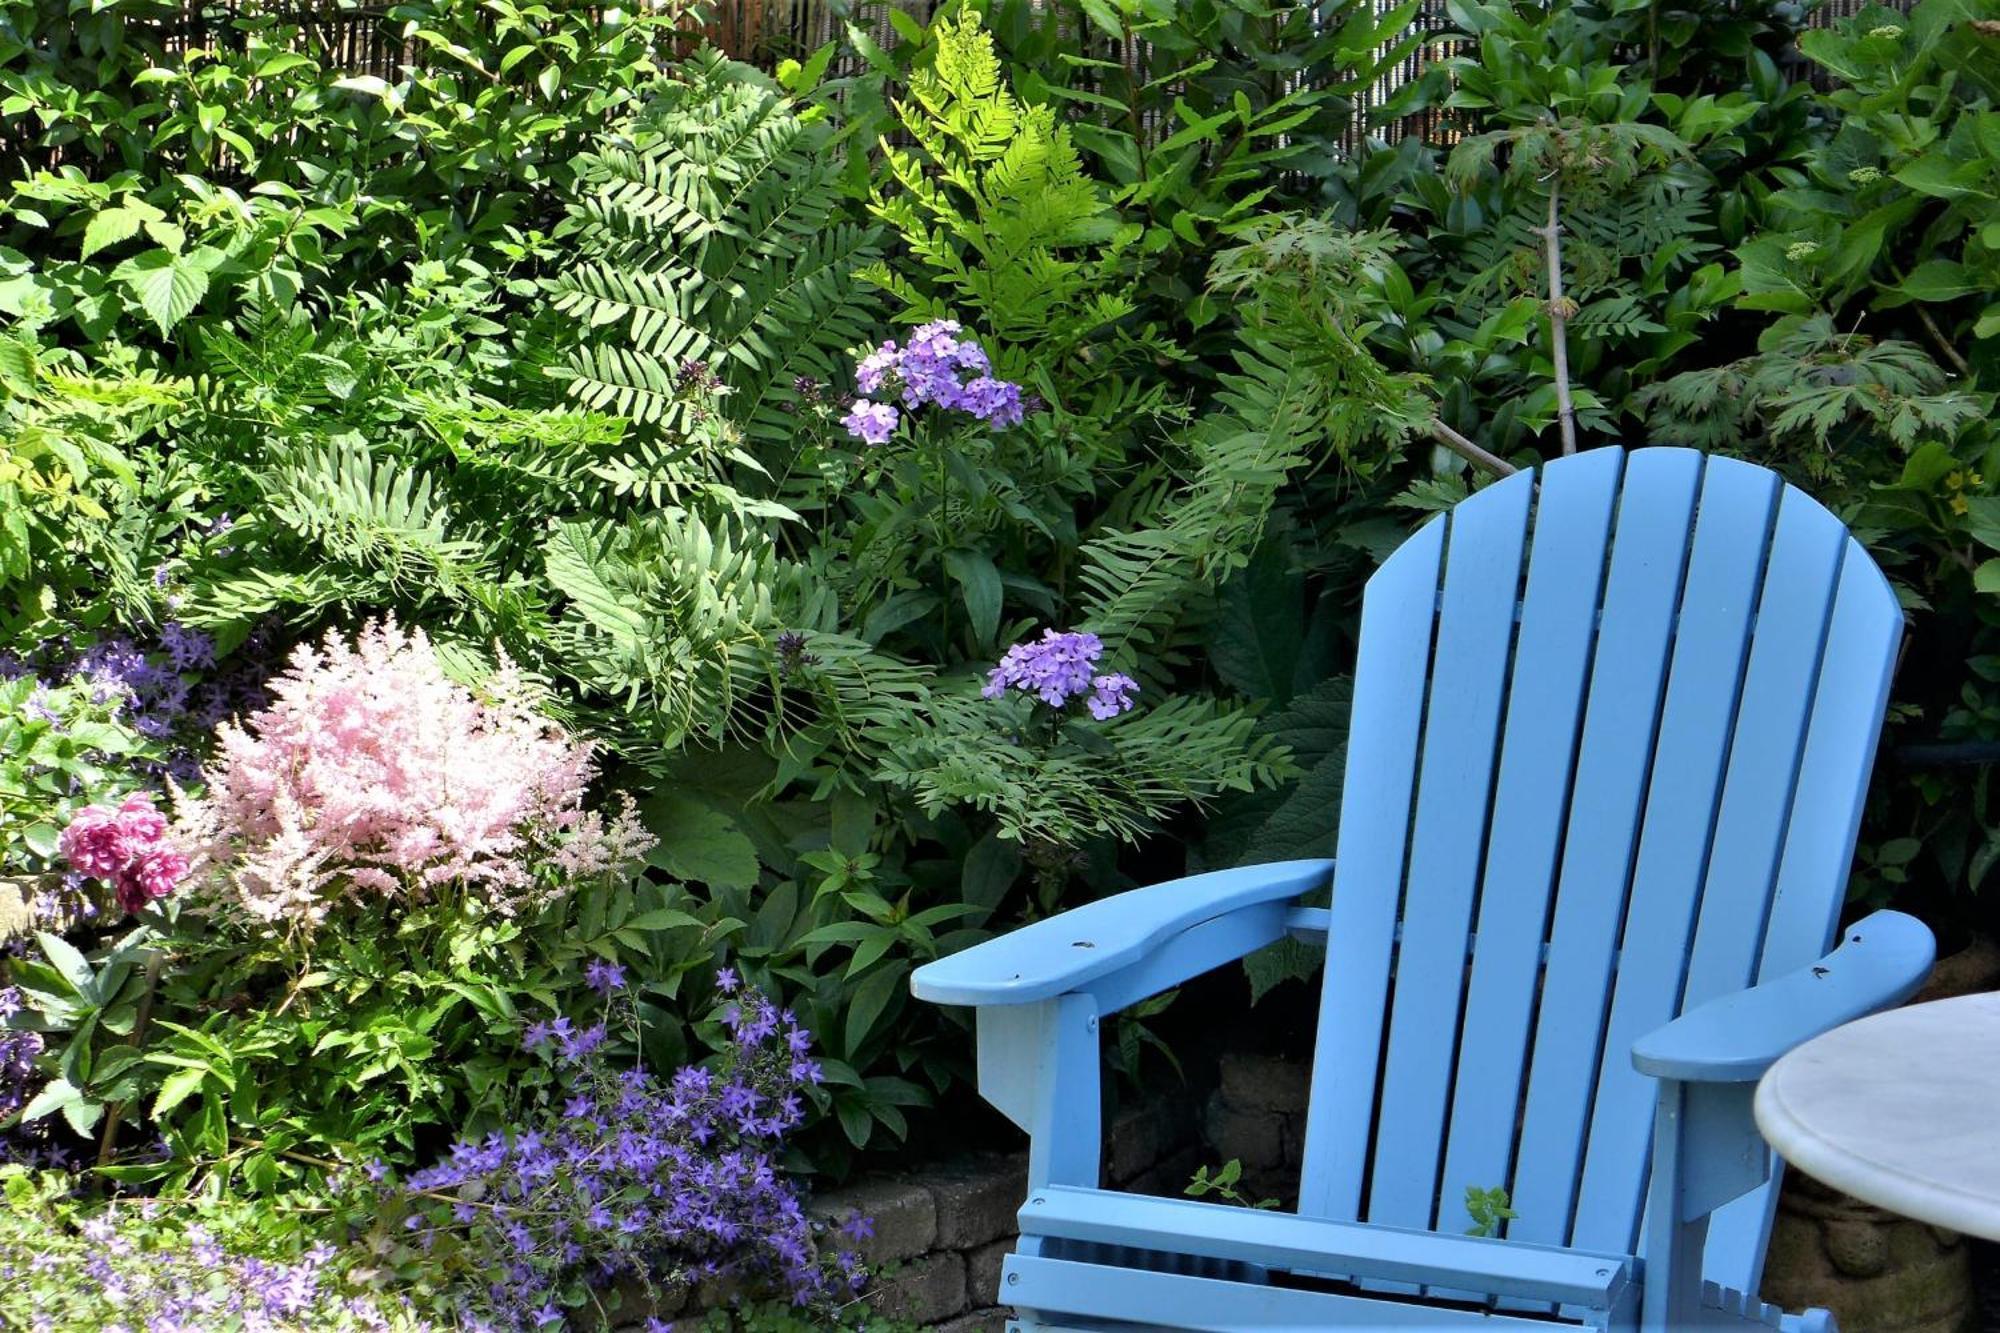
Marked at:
<point>1223,1186</point>
<point>544,343</point>
<point>1900,206</point>
<point>1488,1209</point>
<point>995,207</point>
<point>711,234</point>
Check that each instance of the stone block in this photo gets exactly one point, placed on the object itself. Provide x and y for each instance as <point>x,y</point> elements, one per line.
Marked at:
<point>1265,1083</point>
<point>902,1212</point>
<point>993,1320</point>
<point>1169,1180</point>
<point>976,1202</point>
<point>922,1291</point>
<point>1142,1136</point>
<point>982,1271</point>
<point>1248,1136</point>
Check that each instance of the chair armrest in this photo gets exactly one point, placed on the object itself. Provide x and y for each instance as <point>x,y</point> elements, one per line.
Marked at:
<point>1734,1039</point>
<point>1097,940</point>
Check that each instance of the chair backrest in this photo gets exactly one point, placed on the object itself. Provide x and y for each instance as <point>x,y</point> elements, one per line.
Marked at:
<point>1611,735</point>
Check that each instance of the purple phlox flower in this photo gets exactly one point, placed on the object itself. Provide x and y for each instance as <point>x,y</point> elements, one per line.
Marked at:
<point>725,981</point>
<point>873,370</point>
<point>1111,695</point>
<point>604,977</point>
<point>871,422</point>
<point>857,1228</point>
<point>1055,669</point>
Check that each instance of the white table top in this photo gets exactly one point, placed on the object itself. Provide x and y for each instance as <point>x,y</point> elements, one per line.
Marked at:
<point>1901,1109</point>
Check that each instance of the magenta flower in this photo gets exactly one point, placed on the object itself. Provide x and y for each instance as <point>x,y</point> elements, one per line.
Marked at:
<point>126,848</point>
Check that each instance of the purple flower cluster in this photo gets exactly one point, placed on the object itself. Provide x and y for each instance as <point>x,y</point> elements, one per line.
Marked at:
<point>129,1268</point>
<point>937,368</point>
<point>18,1049</point>
<point>1059,668</point>
<point>152,687</point>
<point>635,1179</point>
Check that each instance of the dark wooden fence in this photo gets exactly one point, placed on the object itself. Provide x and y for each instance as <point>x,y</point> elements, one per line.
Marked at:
<point>363,38</point>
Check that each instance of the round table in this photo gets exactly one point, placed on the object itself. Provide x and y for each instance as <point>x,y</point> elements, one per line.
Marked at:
<point>1901,1109</point>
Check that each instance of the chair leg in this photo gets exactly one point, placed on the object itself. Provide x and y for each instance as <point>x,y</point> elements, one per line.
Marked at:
<point>1673,1243</point>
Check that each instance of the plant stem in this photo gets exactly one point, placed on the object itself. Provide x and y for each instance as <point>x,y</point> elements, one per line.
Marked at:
<point>1944,346</point>
<point>1469,451</point>
<point>1559,315</point>
<point>107,1143</point>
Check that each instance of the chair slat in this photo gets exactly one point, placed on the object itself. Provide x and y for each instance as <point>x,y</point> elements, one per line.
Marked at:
<point>1756,803</point>
<point>1461,730</point>
<point>1862,637</point>
<point>1725,564</point>
<point>1398,613</point>
<point>1642,590</point>
<point>1544,710</point>
<point>1861,640</point>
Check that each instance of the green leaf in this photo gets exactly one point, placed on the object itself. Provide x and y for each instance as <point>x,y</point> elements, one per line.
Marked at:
<point>871,997</point>
<point>1938,280</point>
<point>698,842</point>
<point>1986,578</point>
<point>1258,634</point>
<point>108,228</point>
<point>979,584</point>
<point>168,286</point>
<point>56,1095</point>
<point>72,964</point>
<point>664,918</point>
<point>176,1088</point>
<point>366,84</point>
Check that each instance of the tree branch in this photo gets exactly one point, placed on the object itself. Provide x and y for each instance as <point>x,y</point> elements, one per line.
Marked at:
<point>1559,312</point>
<point>1469,451</point>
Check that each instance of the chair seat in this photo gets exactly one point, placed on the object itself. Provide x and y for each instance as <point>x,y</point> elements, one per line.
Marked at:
<point>1317,1247</point>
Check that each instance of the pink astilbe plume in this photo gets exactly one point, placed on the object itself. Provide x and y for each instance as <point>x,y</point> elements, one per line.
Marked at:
<point>372,773</point>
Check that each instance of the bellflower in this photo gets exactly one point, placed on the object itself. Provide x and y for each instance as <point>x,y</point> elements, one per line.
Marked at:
<point>635,1180</point>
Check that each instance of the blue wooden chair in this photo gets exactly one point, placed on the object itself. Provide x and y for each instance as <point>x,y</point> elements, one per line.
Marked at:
<point>1610,739</point>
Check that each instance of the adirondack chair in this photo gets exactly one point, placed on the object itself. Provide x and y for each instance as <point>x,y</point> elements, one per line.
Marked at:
<point>1611,732</point>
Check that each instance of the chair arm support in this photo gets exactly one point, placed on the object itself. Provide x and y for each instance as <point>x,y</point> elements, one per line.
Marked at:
<point>1098,941</point>
<point>1734,1039</point>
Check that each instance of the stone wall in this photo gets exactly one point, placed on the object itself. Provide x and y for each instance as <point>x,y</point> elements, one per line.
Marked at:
<point>942,1233</point>
<point>1257,1116</point>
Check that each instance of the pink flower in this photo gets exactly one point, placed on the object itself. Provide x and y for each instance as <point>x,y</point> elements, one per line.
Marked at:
<point>373,773</point>
<point>150,878</point>
<point>126,848</point>
<point>94,843</point>
<point>139,821</point>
